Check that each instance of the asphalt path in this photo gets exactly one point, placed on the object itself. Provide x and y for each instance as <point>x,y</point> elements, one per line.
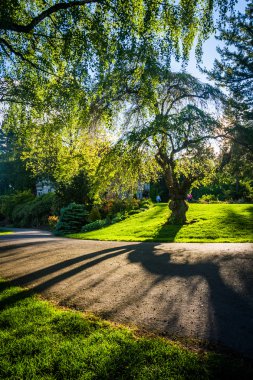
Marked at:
<point>199,290</point>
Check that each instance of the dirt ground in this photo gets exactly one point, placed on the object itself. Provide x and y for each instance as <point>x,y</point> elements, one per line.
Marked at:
<point>202,291</point>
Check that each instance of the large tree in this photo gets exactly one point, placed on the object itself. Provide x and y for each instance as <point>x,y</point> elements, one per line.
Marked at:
<point>174,119</point>
<point>86,38</point>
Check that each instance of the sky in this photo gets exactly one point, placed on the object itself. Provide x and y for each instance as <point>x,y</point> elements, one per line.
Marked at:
<point>209,52</point>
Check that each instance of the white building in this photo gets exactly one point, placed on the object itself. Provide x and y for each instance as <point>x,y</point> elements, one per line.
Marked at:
<point>44,186</point>
<point>143,190</point>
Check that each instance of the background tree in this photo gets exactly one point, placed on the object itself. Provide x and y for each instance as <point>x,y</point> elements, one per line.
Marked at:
<point>234,71</point>
<point>13,174</point>
<point>58,146</point>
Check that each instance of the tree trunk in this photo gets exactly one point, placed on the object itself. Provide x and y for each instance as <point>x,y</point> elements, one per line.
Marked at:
<point>178,214</point>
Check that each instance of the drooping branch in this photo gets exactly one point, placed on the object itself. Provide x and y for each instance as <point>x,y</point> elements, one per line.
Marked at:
<point>12,26</point>
<point>5,44</point>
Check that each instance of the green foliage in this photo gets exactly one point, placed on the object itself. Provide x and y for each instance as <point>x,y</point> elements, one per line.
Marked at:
<point>170,118</point>
<point>40,341</point>
<point>4,232</point>
<point>226,189</point>
<point>120,205</point>
<point>133,212</point>
<point>42,34</point>
<point>116,211</point>
<point>145,204</point>
<point>235,70</point>
<point>121,170</point>
<point>96,225</point>
<point>206,223</point>
<point>77,189</point>
<point>34,213</point>
<point>113,206</point>
<point>119,217</point>
<point>9,202</point>
<point>23,209</point>
<point>209,198</point>
<point>94,214</point>
<point>72,218</point>
<point>13,174</point>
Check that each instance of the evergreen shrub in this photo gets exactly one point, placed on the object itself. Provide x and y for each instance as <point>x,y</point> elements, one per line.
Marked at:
<point>72,218</point>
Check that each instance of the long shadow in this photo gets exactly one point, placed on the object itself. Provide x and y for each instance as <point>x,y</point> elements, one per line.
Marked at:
<point>28,278</point>
<point>239,221</point>
<point>14,247</point>
<point>97,257</point>
<point>167,233</point>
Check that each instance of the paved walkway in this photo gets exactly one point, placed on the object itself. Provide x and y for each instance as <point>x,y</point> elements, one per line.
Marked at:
<point>197,290</point>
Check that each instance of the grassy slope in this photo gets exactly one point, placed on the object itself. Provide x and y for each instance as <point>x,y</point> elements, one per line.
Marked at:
<point>206,223</point>
<point>40,341</point>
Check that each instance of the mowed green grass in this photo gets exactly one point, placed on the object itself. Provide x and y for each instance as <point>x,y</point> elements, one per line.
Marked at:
<point>206,223</point>
<point>3,231</point>
<point>40,341</point>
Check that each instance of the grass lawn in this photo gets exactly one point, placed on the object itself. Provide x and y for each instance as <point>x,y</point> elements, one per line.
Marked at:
<point>40,341</point>
<point>206,223</point>
<point>3,231</point>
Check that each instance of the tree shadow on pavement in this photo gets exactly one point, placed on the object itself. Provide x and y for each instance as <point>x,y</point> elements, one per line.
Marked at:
<point>230,311</point>
<point>229,305</point>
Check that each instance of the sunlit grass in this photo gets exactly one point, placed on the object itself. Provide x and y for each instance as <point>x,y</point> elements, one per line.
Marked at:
<point>40,341</point>
<point>206,223</point>
<point>3,231</point>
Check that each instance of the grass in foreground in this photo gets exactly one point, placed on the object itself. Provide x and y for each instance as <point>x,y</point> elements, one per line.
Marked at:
<point>206,223</point>
<point>40,341</point>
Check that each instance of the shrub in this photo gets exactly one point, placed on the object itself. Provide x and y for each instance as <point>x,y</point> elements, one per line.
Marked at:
<point>72,218</point>
<point>94,214</point>
<point>112,207</point>
<point>106,207</point>
<point>146,202</point>
<point>95,225</point>
<point>52,221</point>
<point>133,204</point>
<point>34,213</point>
<point>119,217</point>
<point>9,202</point>
<point>133,212</point>
<point>209,198</point>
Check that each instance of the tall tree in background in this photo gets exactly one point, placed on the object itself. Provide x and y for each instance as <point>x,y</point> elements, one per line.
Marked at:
<point>234,71</point>
<point>13,173</point>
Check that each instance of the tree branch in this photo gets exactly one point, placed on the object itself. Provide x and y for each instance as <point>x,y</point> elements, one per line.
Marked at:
<point>12,26</point>
<point>5,43</point>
